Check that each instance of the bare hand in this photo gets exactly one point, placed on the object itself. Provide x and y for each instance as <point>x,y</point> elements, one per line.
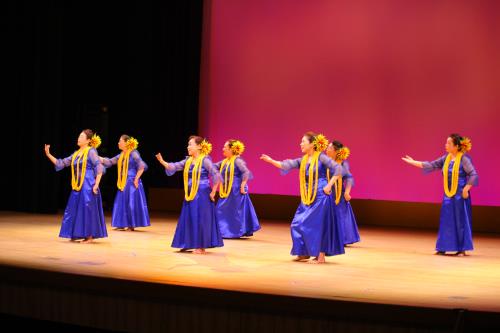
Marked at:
<point>95,189</point>
<point>347,197</point>
<point>243,190</point>
<point>47,150</point>
<point>159,157</point>
<point>327,189</point>
<point>212,195</point>
<point>408,159</point>
<point>266,158</point>
<point>136,183</point>
<point>465,193</point>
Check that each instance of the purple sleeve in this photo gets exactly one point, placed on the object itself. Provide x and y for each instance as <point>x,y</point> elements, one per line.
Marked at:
<point>175,166</point>
<point>141,165</point>
<point>242,165</point>
<point>109,162</point>
<point>93,158</point>
<point>472,176</point>
<point>212,171</point>
<point>334,167</point>
<point>288,165</point>
<point>434,165</point>
<point>346,174</point>
<point>63,163</point>
<point>217,165</point>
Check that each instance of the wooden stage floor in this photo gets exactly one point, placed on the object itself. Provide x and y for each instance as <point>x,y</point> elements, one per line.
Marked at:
<point>389,266</point>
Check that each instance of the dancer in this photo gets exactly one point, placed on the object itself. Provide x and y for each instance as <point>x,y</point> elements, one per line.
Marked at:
<point>459,175</point>
<point>234,210</point>
<point>130,209</point>
<point>345,216</point>
<point>83,216</point>
<point>314,229</point>
<point>197,226</point>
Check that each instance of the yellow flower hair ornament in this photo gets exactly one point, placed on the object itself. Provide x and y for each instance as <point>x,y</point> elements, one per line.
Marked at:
<point>342,154</point>
<point>465,145</point>
<point>132,143</point>
<point>206,147</point>
<point>237,147</point>
<point>95,141</point>
<point>320,142</point>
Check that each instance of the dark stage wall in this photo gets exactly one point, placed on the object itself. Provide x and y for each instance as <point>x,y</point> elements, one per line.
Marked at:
<point>111,67</point>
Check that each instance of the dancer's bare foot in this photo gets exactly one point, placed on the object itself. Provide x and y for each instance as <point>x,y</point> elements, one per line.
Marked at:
<point>301,258</point>
<point>461,253</point>
<point>199,251</point>
<point>131,228</point>
<point>88,239</point>
<point>440,253</point>
<point>319,259</point>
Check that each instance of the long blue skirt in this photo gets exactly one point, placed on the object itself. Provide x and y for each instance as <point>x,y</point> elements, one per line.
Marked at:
<point>345,216</point>
<point>197,226</point>
<point>83,216</point>
<point>236,215</point>
<point>455,224</point>
<point>130,208</point>
<point>315,229</point>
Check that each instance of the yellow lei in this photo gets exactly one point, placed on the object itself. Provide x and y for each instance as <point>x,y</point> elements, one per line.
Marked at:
<point>227,185</point>
<point>338,185</point>
<point>308,195</point>
<point>123,169</point>
<point>80,156</point>
<point>450,192</point>
<point>195,183</point>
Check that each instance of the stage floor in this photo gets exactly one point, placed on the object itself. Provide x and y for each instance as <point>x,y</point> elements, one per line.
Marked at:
<point>389,266</point>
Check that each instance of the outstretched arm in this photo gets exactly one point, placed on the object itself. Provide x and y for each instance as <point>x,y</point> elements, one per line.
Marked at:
<point>268,159</point>
<point>162,162</point>
<point>49,155</point>
<point>411,161</point>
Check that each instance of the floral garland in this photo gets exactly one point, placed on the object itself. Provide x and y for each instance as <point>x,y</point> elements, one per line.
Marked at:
<point>123,163</point>
<point>227,184</point>
<point>307,194</point>
<point>80,156</point>
<point>206,148</point>
<point>450,192</point>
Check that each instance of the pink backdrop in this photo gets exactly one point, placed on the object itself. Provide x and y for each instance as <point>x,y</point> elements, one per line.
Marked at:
<point>387,78</point>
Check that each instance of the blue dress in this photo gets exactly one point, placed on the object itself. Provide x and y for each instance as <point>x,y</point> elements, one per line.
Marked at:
<point>83,216</point>
<point>197,226</point>
<point>235,214</point>
<point>455,222</point>
<point>343,209</point>
<point>314,228</point>
<point>130,208</point>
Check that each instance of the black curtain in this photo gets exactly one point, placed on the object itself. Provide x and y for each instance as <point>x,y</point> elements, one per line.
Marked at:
<point>69,66</point>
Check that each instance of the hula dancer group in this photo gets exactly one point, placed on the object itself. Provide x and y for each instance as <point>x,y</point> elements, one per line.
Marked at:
<point>323,224</point>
